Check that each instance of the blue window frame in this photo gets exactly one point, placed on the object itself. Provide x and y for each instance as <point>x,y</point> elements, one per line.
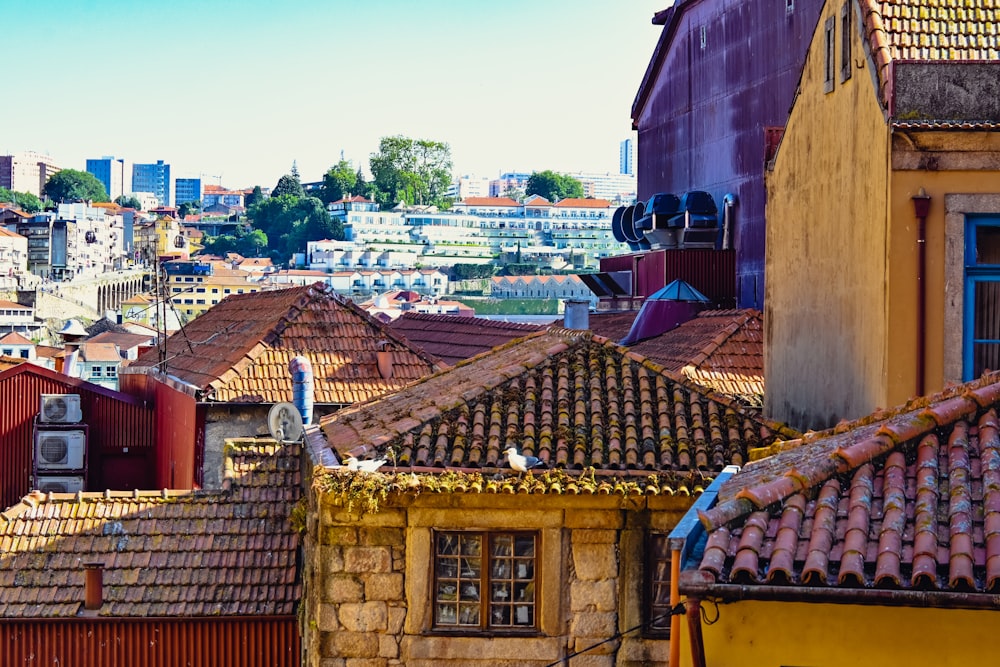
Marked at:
<point>981,326</point>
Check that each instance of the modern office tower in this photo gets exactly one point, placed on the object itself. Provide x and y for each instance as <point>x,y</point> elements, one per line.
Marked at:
<point>627,157</point>
<point>26,172</point>
<point>153,178</point>
<point>187,190</point>
<point>116,175</point>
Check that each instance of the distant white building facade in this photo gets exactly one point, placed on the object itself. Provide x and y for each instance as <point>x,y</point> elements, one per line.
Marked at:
<point>77,241</point>
<point>26,172</point>
<point>469,186</point>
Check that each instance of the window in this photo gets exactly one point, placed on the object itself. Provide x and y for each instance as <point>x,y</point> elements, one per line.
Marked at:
<point>111,371</point>
<point>981,347</point>
<point>829,31</point>
<point>485,581</point>
<point>658,585</point>
<point>96,371</point>
<point>845,42</point>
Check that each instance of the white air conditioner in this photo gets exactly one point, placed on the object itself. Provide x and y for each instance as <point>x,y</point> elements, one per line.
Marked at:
<point>59,483</point>
<point>60,409</point>
<point>60,450</point>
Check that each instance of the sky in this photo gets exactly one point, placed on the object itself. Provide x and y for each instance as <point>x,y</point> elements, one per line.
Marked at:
<point>234,91</point>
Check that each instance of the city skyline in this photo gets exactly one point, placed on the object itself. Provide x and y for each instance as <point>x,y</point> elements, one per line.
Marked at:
<point>251,89</point>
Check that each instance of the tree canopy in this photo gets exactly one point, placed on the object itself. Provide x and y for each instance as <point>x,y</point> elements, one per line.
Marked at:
<point>72,185</point>
<point>246,243</point>
<point>25,201</point>
<point>338,182</point>
<point>415,171</point>
<point>189,208</point>
<point>288,184</point>
<point>289,222</point>
<point>553,186</point>
<point>128,201</point>
<point>257,195</point>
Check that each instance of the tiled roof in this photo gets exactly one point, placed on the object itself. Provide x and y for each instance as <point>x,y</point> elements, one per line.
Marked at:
<point>124,341</point>
<point>14,338</point>
<point>570,398</point>
<point>489,201</point>
<point>99,352</point>
<point>452,338</point>
<point>6,232</point>
<point>946,125</point>
<point>578,202</point>
<point>10,305</point>
<point>537,200</point>
<point>164,553</point>
<point>907,500</point>
<point>10,362</point>
<point>239,350</point>
<point>929,30</point>
<point>719,349</point>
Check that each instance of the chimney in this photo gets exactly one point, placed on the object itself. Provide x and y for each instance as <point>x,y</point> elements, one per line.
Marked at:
<point>93,596</point>
<point>577,314</point>
<point>384,359</point>
<point>302,386</point>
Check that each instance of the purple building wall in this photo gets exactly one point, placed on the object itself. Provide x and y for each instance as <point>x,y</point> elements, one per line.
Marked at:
<point>722,72</point>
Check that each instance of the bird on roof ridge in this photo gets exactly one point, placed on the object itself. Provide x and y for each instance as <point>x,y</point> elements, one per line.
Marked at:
<point>368,465</point>
<point>522,463</point>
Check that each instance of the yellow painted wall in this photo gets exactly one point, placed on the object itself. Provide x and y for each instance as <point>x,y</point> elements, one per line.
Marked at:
<point>825,303</point>
<point>776,634</point>
<point>960,162</point>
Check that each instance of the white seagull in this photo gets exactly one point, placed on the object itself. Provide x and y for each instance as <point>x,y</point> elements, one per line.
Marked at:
<point>521,463</point>
<point>370,465</point>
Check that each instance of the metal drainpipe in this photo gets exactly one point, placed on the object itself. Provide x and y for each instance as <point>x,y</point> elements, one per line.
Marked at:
<point>694,631</point>
<point>675,598</point>
<point>921,207</point>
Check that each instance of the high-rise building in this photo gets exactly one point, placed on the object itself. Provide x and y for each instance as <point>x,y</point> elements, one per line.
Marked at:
<point>626,160</point>
<point>508,182</point>
<point>153,178</point>
<point>26,172</point>
<point>187,190</point>
<point>116,175</point>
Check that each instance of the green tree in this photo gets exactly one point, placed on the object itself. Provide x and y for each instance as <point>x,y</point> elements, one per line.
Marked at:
<point>288,184</point>
<point>338,182</point>
<point>25,201</point>
<point>553,186</point>
<point>257,195</point>
<point>72,185</point>
<point>472,271</point>
<point>289,222</point>
<point>189,208</point>
<point>128,201</point>
<point>361,186</point>
<point>414,171</point>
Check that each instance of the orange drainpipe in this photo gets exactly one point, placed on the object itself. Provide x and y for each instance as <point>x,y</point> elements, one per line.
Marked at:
<point>675,598</point>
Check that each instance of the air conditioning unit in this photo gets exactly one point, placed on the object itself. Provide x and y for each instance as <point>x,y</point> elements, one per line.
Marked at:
<point>59,483</point>
<point>60,409</point>
<point>60,450</point>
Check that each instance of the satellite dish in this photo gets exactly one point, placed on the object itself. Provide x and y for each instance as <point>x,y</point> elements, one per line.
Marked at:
<point>284,422</point>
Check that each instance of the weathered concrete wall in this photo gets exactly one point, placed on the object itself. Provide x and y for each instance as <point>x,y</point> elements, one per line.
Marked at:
<point>947,90</point>
<point>368,580</point>
<point>225,421</point>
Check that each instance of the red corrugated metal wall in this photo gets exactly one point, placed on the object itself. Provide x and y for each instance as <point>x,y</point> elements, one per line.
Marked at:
<point>711,272</point>
<point>158,642</point>
<point>121,428</point>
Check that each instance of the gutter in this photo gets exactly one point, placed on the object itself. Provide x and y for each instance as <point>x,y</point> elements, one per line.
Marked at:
<point>698,584</point>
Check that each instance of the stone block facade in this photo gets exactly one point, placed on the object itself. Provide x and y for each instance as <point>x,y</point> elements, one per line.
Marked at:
<point>369,580</point>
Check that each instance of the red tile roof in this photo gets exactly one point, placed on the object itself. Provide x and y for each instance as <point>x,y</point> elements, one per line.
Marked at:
<point>572,399</point>
<point>14,338</point>
<point>907,500</point>
<point>238,351</point>
<point>10,305</point>
<point>579,202</point>
<point>722,350</point>
<point>454,338</point>
<point>10,362</point>
<point>124,341</point>
<point>99,352</point>
<point>164,553</point>
<point>489,201</point>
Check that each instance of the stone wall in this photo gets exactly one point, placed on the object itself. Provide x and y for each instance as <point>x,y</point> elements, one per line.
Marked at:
<point>368,580</point>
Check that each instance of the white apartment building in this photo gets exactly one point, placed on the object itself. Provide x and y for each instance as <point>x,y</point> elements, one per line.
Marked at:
<point>26,172</point>
<point>617,188</point>
<point>79,241</point>
<point>469,186</point>
<point>13,258</point>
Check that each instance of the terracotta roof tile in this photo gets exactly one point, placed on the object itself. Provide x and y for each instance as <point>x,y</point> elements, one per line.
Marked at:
<point>14,338</point>
<point>489,201</point>
<point>904,500</point>
<point>722,350</point>
<point>572,399</point>
<point>579,202</point>
<point>238,351</point>
<point>164,553</point>
<point>452,338</point>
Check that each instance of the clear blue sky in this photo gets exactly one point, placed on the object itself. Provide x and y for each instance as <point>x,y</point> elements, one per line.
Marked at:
<point>241,88</point>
